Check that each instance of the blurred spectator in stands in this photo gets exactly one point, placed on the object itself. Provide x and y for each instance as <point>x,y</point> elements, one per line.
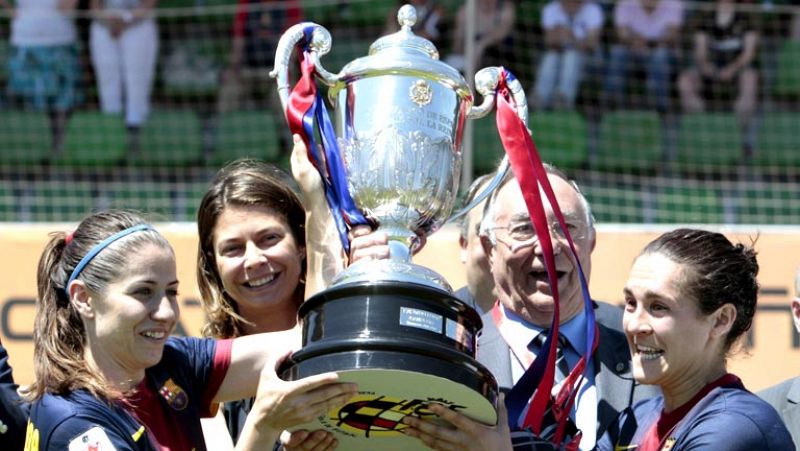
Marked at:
<point>257,28</point>
<point>123,42</point>
<point>494,23</point>
<point>792,10</point>
<point>43,66</point>
<point>647,33</point>
<point>571,35</point>
<point>430,20</point>
<point>246,84</point>
<point>725,46</point>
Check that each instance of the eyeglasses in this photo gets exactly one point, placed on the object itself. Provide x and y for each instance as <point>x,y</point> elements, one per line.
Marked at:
<point>523,234</point>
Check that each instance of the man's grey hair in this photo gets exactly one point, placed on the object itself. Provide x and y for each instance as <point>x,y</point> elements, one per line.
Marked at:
<point>490,208</point>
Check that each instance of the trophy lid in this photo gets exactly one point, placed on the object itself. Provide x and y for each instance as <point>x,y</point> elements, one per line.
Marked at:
<point>405,38</point>
<point>403,53</point>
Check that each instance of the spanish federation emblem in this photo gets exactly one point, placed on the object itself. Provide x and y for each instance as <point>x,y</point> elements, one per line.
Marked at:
<point>421,93</point>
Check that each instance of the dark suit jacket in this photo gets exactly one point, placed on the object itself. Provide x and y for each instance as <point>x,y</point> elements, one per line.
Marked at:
<point>465,296</point>
<point>616,389</point>
<point>785,398</point>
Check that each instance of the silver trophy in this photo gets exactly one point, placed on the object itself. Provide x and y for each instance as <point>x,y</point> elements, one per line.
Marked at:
<point>392,326</point>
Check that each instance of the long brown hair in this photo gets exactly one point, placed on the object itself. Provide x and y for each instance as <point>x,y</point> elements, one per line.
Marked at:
<point>59,335</point>
<point>241,183</point>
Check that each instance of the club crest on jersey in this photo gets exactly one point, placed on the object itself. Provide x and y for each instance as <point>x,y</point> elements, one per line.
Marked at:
<point>174,394</point>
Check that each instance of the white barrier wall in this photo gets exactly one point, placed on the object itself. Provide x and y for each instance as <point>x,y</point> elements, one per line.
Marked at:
<point>772,354</point>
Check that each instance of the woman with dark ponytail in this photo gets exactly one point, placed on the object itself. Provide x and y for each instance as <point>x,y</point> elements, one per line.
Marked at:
<point>108,375</point>
<point>690,296</point>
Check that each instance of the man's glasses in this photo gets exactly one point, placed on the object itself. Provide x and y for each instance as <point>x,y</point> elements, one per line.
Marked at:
<point>522,234</point>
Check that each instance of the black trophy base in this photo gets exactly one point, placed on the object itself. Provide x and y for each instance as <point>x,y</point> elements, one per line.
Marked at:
<point>404,345</point>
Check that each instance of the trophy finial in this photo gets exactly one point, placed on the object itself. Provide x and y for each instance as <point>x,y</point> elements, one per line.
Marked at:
<point>407,16</point>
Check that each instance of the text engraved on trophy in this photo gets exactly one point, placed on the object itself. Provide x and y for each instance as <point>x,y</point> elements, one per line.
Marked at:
<point>428,120</point>
<point>421,319</point>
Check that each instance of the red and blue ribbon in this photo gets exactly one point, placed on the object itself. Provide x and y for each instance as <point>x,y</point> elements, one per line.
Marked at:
<point>532,390</point>
<point>308,117</point>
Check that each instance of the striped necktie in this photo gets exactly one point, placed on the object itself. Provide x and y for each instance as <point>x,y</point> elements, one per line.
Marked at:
<point>537,345</point>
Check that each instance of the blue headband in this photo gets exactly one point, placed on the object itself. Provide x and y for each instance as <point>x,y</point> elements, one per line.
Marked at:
<point>100,246</point>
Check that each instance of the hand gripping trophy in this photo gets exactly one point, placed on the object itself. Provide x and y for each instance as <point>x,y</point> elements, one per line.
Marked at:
<point>392,158</point>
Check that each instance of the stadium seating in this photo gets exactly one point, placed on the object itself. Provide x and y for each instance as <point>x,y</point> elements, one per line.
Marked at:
<point>24,137</point>
<point>170,138</point>
<point>5,52</point>
<point>560,137</point>
<point>636,165</point>
<point>371,13</point>
<point>154,199</point>
<point>344,51</point>
<point>54,200</point>
<point>252,134</point>
<point>709,139</point>
<point>487,150</point>
<point>687,204</point>
<point>777,202</point>
<point>188,197</point>
<point>630,141</point>
<point>8,203</point>
<point>787,80</point>
<point>617,203</point>
<point>779,140</point>
<point>94,139</point>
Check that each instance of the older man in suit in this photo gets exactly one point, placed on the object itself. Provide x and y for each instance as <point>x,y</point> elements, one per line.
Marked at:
<point>785,397</point>
<point>525,309</point>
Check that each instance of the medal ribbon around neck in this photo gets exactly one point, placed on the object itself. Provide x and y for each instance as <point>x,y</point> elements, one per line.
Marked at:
<point>307,117</point>
<point>537,382</point>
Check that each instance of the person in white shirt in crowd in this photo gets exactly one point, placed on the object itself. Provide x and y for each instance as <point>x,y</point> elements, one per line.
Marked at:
<point>571,36</point>
<point>123,43</point>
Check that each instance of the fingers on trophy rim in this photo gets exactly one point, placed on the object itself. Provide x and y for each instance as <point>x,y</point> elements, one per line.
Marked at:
<point>318,380</point>
<point>450,416</point>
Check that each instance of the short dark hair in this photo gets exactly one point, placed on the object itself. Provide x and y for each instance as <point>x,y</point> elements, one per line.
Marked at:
<point>717,272</point>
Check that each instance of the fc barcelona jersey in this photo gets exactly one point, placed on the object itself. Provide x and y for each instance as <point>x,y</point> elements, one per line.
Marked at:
<point>163,413</point>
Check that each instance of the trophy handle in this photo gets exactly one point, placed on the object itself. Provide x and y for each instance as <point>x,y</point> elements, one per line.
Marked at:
<point>502,169</point>
<point>320,45</point>
<point>486,81</point>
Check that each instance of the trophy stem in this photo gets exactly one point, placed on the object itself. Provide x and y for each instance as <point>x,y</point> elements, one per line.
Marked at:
<point>399,251</point>
<point>401,242</point>
<point>398,267</point>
